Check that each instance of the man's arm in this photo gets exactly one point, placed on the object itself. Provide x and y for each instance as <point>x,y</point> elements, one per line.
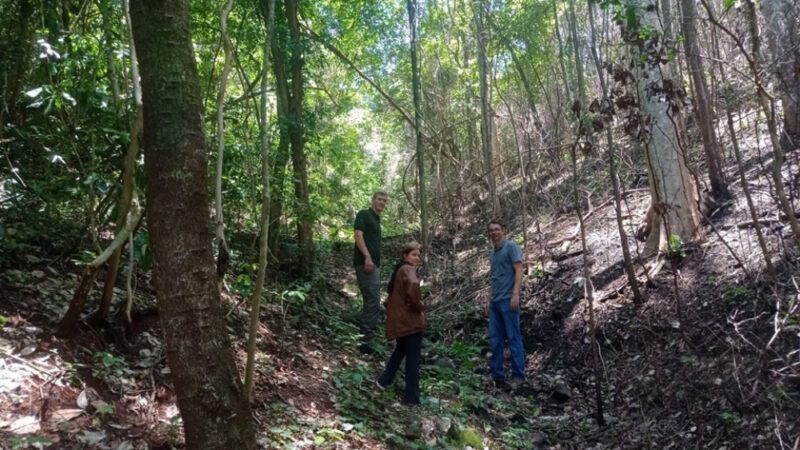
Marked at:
<point>362,247</point>
<point>517,285</point>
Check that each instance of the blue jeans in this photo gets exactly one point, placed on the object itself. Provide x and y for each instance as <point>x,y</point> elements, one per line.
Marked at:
<point>408,347</point>
<point>504,325</point>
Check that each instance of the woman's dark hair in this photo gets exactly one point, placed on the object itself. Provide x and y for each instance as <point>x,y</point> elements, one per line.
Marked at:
<point>408,248</point>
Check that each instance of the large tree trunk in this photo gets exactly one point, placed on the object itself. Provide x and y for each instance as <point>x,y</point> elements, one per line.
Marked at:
<point>702,103</point>
<point>675,201</point>
<point>630,272</point>
<point>215,411</point>
<point>782,31</point>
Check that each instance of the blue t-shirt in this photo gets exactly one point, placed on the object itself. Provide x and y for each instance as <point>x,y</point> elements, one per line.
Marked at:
<point>502,262</point>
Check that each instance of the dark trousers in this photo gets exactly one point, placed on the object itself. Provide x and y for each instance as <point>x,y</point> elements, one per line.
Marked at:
<point>409,347</point>
<point>370,286</point>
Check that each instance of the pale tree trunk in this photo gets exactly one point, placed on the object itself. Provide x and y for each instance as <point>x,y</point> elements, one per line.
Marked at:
<point>674,203</point>
<point>782,32</point>
<point>623,237</point>
<point>128,174</point>
<point>702,103</point>
<point>487,122</point>
<point>215,411</point>
<point>411,5</point>
<point>263,128</point>
<point>223,255</point>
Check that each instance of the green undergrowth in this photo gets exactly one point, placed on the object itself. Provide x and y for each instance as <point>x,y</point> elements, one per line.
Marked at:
<point>458,408</point>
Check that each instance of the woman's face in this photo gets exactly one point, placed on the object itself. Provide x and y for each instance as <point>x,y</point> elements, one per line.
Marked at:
<point>412,257</point>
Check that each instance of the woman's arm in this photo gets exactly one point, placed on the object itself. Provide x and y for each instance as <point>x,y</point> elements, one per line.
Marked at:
<point>411,289</point>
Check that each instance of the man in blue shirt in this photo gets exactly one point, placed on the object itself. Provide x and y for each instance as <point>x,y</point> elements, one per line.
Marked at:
<point>503,307</point>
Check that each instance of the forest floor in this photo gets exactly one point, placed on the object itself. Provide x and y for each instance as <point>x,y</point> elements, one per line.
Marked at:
<point>711,359</point>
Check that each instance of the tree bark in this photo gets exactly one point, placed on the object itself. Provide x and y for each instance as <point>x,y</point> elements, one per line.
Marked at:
<point>223,253</point>
<point>675,201</point>
<point>576,45</point>
<point>215,411</point>
<point>487,115</point>
<point>702,103</point>
<point>782,32</point>
<point>268,10</point>
<point>305,217</point>
<point>623,237</point>
<point>411,5</point>
<point>128,174</point>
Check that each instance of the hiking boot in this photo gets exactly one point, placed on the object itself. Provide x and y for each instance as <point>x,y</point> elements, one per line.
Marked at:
<point>502,385</point>
<point>380,386</point>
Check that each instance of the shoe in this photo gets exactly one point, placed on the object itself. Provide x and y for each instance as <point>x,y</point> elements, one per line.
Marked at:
<point>516,383</point>
<point>366,349</point>
<point>380,386</point>
<point>502,385</point>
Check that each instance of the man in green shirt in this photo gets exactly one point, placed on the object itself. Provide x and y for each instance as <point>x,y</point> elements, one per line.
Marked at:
<point>367,262</point>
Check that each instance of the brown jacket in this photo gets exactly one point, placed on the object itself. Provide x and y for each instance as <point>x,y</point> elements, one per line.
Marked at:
<point>405,313</point>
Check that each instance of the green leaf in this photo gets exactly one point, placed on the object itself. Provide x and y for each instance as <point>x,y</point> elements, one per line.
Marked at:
<point>728,4</point>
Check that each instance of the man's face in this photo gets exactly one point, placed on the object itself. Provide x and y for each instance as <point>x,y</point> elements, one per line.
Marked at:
<point>496,233</point>
<point>379,203</point>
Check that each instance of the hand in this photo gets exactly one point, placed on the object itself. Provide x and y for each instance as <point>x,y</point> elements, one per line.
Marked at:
<point>368,265</point>
<point>515,301</point>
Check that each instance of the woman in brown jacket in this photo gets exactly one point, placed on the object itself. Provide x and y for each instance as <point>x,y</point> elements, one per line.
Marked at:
<point>405,322</point>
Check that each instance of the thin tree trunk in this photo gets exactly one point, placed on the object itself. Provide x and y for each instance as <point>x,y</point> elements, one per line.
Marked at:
<point>576,44</point>
<point>263,128</point>
<point>69,323</point>
<point>702,103</point>
<point>782,31</point>
<point>223,255</point>
<point>411,6</point>
<point>589,293</point>
<point>108,39</point>
<point>210,397</point>
<point>487,126</point>
<point>305,217</point>
<point>128,174</point>
<point>762,242</point>
<point>769,112</point>
<point>282,152</point>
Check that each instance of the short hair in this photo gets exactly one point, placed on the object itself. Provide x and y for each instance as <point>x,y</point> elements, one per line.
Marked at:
<point>410,247</point>
<point>495,222</point>
<point>379,194</point>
